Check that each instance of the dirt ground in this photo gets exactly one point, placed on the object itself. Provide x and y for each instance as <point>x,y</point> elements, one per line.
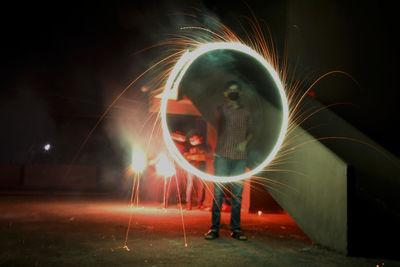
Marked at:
<point>90,230</point>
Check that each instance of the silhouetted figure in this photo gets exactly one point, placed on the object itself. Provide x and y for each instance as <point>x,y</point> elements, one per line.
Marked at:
<point>197,154</point>
<point>233,125</point>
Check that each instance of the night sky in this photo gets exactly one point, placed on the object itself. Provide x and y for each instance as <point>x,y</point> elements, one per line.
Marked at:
<point>64,60</point>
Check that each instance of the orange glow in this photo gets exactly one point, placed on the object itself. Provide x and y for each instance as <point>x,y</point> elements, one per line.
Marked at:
<point>164,166</point>
<point>138,161</point>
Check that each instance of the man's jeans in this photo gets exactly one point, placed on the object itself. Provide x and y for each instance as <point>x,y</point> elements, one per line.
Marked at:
<point>227,167</point>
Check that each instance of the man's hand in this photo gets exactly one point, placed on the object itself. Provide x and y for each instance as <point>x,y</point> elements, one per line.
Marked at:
<point>242,146</point>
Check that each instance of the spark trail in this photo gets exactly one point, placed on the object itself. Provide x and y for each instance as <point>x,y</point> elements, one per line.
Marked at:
<point>164,77</point>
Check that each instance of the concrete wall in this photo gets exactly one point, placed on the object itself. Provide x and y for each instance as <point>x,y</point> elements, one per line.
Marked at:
<point>374,198</point>
<point>65,177</point>
<point>48,177</point>
<point>325,35</point>
<point>377,170</point>
<point>10,176</point>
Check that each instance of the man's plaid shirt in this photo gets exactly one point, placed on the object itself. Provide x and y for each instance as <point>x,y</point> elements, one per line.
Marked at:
<point>233,125</point>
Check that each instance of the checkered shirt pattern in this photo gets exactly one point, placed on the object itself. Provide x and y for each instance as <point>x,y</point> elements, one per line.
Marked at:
<point>233,128</point>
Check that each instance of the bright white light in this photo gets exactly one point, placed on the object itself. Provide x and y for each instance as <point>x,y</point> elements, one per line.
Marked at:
<point>164,166</point>
<point>47,147</point>
<point>138,161</point>
<point>173,83</point>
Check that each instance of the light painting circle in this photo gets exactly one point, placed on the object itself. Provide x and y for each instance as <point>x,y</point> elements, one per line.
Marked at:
<point>172,85</point>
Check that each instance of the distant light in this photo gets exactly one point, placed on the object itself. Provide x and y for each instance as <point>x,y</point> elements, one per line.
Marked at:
<point>47,147</point>
<point>259,213</point>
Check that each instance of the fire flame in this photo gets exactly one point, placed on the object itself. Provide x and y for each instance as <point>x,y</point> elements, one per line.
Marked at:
<point>138,161</point>
<point>164,166</point>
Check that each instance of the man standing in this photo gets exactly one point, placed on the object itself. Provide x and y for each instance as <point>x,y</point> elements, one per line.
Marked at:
<point>233,128</point>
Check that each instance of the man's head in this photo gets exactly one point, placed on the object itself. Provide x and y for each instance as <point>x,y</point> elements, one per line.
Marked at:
<point>233,90</point>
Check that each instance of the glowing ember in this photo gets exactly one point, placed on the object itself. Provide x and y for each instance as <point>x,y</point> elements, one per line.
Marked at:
<point>138,161</point>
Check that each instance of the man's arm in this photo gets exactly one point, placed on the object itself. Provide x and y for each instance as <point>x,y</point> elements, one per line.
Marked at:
<point>243,145</point>
<point>218,119</point>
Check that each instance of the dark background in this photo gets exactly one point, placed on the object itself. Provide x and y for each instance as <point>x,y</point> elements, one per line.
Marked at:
<point>63,63</point>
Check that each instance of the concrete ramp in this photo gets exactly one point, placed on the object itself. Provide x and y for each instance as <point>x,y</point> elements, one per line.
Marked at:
<point>338,188</point>
<point>373,203</point>
<point>313,190</point>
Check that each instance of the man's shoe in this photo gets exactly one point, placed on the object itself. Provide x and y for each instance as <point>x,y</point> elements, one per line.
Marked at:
<point>238,234</point>
<point>211,234</point>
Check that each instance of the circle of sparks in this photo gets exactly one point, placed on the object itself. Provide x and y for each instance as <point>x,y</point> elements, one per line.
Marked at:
<point>172,85</point>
